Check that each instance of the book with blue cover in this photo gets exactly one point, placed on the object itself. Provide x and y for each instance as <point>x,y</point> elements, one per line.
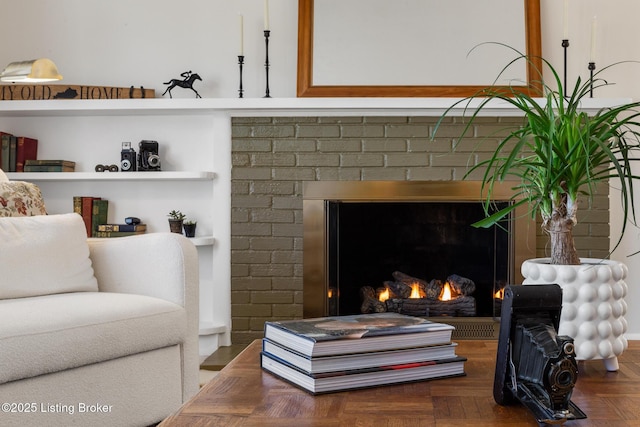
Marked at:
<point>335,335</point>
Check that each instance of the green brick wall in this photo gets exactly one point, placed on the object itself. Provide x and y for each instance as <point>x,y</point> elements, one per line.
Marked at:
<point>272,157</point>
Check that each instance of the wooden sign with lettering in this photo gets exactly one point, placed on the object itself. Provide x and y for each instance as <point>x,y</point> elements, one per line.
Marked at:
<point>21,92</point>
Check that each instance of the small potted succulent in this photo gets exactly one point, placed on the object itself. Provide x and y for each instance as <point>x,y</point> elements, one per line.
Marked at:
<point>190,228</point>
<point>176,219</point>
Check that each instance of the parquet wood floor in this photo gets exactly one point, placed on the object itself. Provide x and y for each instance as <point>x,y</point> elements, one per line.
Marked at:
<point>243,395</point>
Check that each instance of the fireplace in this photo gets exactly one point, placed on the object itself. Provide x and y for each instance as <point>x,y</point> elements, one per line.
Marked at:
<point>424,244</point>
<point>362,234</point>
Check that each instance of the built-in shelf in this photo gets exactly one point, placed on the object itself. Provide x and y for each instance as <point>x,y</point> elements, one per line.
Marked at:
<point>211,328</point>
<point>112,176</point>
<point>202,240</point>
<point>197,241</point>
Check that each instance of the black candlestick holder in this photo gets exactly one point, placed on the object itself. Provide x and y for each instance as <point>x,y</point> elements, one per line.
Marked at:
<point>240,64</point>
<point>267,33</point>
<point>592,67</point>
<point>565,46</point>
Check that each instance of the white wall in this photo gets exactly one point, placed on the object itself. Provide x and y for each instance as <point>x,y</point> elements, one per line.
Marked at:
<point>617,40</point>
<point>146,43</point>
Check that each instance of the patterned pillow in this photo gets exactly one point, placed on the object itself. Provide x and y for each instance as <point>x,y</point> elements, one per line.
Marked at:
<point>19,198</point>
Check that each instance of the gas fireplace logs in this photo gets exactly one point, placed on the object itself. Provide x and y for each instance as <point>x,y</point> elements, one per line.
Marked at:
<point>417,297</point>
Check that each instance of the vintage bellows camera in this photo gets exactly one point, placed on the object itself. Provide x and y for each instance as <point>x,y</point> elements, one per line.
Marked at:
<point>534,364</point>
<point>127,158</point>
<point>148,156</point>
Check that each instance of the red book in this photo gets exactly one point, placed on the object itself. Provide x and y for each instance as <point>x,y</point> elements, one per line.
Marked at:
<point>27,149</point>
<point>87,213</point>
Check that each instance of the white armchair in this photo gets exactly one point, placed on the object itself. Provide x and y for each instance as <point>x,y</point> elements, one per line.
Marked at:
<point>120,349</point>
<point>159,265</point>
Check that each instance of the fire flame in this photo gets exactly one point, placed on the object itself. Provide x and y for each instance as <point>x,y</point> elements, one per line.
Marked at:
<point>384,295</point>
<point>499,294</point>
<point>330,293</point>
<point>445,295</point>
<point>415,291</point>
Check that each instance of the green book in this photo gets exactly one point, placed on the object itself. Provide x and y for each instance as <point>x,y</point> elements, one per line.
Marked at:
<point>99,214</point>
<point>77,204</point>
<point>5,142</point>
<point>4,151</point>
<point>44,168</point>
<point>13,150</point>
<point>49,162</point>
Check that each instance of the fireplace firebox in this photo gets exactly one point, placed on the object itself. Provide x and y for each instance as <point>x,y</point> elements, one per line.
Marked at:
<point>429,241</point>
<point>360,235</point>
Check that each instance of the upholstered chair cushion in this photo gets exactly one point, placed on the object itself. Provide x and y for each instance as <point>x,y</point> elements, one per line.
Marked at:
<point>44,254</point>
<point>18,198</point>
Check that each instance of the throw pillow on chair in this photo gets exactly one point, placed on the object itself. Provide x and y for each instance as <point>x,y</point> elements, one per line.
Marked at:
<point>19,198</point>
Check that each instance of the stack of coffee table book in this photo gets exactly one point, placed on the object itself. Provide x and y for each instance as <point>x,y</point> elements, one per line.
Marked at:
<point>331,354</point>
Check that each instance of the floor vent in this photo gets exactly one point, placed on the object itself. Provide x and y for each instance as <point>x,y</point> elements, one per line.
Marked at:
<point>472,328</point>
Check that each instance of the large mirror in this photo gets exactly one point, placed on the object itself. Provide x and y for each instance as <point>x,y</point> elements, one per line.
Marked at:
<point>430,48</point>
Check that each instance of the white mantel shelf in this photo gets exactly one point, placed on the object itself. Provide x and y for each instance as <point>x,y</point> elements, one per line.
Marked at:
<point>252,107</point>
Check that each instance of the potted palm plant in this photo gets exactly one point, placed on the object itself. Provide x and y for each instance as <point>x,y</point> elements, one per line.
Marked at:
<point>556,157</point>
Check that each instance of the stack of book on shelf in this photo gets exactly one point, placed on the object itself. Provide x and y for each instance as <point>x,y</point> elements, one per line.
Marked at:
<point>15,151</point>
<point>45,165</point>
<point>95,213</point>
<point>331,354</point>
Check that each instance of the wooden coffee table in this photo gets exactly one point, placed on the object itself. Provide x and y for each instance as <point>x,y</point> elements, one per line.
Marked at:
<point>243,395</point>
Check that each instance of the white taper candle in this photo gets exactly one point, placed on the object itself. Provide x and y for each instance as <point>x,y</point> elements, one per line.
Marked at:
<point>594,25</point>
<point>565,21</point>
<point>266,14</point>
<point>241,24</point>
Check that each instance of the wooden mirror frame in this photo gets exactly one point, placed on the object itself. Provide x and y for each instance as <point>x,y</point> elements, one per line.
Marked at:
<point>306,88</point>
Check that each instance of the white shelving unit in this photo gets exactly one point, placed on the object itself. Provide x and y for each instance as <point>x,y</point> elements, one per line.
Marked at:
<point>194,142</point>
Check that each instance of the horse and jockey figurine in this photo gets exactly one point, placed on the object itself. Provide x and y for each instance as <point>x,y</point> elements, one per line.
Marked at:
<point>187,83</point>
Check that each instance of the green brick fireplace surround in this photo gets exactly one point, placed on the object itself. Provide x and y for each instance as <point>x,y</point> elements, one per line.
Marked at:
<point>273,156</point>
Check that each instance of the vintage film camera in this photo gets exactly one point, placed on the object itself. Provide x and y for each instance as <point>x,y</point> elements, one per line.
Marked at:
<point>127,158</point>
<point>534,364</point>
<point>148,157</point>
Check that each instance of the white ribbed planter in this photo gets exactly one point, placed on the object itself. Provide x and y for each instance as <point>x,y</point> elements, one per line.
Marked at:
<point>593,305</point>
